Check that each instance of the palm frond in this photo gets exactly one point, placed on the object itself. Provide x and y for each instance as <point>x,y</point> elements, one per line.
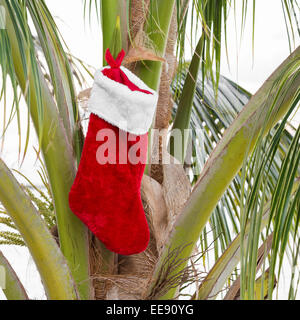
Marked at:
<point>14,289</point>
<point>263,111</point>
<point>57,62</point>
<point>53,268</point>
<point>18,42</point>
<point>209,120</point>
<point>44,205</point>
<point>18,15</point>
<point>290,10</point>
<point>284,207</point>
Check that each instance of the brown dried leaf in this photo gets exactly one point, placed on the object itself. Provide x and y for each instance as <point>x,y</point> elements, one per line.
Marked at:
<point>84,95</point>
<point>140,53</point>
<point>234,291</point>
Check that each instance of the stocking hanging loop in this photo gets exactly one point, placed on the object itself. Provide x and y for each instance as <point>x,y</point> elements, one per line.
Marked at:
<point>115,64</point>
<point>121,98</point>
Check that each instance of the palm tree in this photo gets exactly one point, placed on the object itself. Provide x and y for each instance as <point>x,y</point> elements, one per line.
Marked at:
<point>223,230</point>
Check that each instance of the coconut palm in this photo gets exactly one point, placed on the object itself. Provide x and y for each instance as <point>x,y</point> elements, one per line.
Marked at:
<point>223,215</point>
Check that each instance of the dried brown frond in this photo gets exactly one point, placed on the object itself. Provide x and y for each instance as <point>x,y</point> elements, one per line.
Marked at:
<point>127,276</point>
<point>126,280</point>
<point>123,287</point>
<point>137,53</point>
<point>100,268</point>
<point>234,291</point>
<point>83,97</point>
<point>169,278</point>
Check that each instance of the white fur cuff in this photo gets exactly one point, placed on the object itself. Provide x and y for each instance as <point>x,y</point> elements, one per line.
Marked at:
<point>131,111</point>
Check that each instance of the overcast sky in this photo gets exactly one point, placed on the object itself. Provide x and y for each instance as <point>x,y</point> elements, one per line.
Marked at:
<point>84,40</point>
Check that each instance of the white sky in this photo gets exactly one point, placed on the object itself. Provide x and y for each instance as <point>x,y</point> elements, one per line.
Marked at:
<point>270,46</point>
<point>84,41</point>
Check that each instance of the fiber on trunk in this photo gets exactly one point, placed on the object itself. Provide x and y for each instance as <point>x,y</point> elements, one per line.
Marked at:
<point>165,101</point>
<point>139,11</point>
<point>129,276</point>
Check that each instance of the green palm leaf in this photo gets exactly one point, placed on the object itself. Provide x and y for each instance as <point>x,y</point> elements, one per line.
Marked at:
<point>19,63</point>
<point>209,120</point>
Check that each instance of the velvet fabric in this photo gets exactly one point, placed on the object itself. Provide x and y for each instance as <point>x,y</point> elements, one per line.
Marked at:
<point>106,191</point>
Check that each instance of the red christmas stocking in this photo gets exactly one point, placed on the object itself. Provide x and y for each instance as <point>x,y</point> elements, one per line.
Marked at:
<point>106,191</point>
